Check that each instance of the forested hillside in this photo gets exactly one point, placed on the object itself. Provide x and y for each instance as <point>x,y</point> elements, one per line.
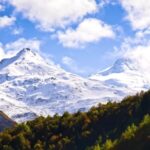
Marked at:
<point>133,138</point>
<point>114,126</point>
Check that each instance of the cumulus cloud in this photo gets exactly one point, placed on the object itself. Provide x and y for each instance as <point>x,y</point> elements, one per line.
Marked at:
<point>90,30</point>
<point>137,12</point>
<point>6,21</point>
<point>50,14</point>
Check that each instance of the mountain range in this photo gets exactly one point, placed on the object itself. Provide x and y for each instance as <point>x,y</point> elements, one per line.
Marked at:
<point>31,86</point>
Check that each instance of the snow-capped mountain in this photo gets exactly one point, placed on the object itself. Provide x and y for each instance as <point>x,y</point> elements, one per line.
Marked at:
<point>125,73</point>
<point>31,86</point>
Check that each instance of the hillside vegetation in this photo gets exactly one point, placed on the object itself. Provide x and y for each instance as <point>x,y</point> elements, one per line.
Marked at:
<point>114,126</point>
<point>133,138</point>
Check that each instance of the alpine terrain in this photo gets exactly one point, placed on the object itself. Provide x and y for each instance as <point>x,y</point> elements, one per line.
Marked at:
<point>31,86</point>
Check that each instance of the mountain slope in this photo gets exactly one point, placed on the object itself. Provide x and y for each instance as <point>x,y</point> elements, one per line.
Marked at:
<point>140,140</point>
<point>126,74</point>
<point>29,83</point>
<point>31,86</point>
<point>5,121</point>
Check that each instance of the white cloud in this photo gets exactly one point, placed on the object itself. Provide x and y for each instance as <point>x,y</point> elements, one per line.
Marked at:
<point>140,56</point>
<point>17,31</point>
<point>136,48</point>
<point>71,65</point>
<point>88,31</point>
<point>2,54</point>
<point>54,13</point>
<point>6,21</point>
<point>130,43</point>
<point>15,46</point>
<point>138,43</point>
<point>67,60</point>
<point>10,49</point>
<point>143,33</point>
<point>138,13</point>
<point>2,8</point>
<point>107,2</point>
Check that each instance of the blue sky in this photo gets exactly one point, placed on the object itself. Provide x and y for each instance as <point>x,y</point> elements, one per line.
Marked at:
<point>83,37</point>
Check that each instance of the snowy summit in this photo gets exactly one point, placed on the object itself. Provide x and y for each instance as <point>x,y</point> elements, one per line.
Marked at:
<point>30,86</point>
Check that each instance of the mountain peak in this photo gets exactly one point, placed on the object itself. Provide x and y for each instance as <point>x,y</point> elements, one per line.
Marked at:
<point>28,83</point>
<point>121,65</point>
<point>25,51</point>
<point>24,62</point>
<point>24,54</point>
